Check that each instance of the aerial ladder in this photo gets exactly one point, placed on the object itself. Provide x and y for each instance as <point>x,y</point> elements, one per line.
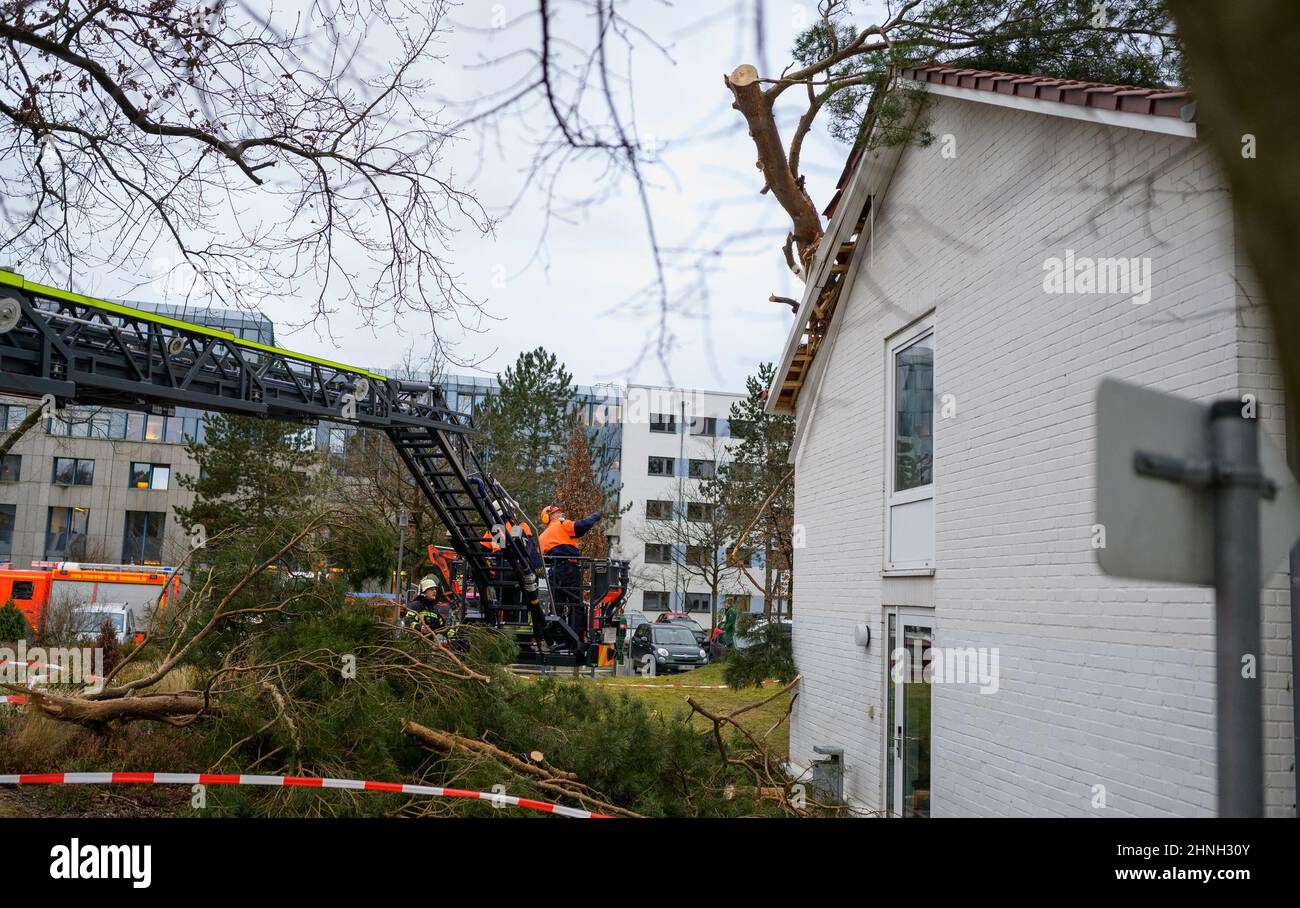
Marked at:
<point>92,352</point>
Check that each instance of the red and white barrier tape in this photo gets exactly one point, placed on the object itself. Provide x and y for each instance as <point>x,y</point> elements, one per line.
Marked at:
<point>203,778</point>
<point>649,686</point>
<point>670,686</point>
<point>16,700</point>
<point>49,665</point>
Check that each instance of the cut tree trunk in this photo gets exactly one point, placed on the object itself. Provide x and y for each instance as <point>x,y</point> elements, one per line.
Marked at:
<point>96,714</point>
<point>7,443</point>
<point>756,107</point>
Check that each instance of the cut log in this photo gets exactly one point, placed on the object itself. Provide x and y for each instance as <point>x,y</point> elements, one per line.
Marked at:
<point>96,714</point>
<point>756,108</point>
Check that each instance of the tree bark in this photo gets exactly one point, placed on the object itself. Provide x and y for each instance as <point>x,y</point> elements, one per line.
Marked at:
<point>1244,61</point>
<point>95,714</point>
<point>7,443</point>
<point>756,107</point>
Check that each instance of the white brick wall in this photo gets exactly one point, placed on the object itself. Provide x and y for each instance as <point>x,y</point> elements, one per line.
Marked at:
<point>1103,681</point>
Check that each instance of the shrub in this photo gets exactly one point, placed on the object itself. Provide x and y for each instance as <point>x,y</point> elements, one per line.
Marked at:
<point>107,643</point>
<point>768,656</point>
<point>13,624</point>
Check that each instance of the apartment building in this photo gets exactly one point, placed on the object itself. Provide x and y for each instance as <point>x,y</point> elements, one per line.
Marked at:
<point>672,439</point>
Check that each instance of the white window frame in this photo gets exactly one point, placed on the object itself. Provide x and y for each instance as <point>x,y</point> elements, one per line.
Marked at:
<point>917,332</point>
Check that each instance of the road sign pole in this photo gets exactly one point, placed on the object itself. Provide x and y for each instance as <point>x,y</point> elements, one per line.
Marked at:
<point>401,547</point>
<point>1237,494</point>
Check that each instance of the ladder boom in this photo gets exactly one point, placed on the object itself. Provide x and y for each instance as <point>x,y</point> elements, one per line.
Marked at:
<point>99,353</point>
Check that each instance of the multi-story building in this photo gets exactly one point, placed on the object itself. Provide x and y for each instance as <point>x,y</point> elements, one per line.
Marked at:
<point>99,485</point>
<point>673,439</point>
<point>91,484</point>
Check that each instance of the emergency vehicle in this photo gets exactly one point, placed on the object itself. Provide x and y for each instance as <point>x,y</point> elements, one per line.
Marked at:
<point>139,589</point>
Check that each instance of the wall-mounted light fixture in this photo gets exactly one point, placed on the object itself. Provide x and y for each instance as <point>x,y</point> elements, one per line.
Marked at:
<point>862,634</point>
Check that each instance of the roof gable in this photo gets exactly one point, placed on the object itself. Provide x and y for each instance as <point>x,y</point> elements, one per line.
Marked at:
<point>866,177</point>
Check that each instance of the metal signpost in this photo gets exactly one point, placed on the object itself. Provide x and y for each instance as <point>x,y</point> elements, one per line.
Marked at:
<point>401,546</point>
<point>1186,493</point>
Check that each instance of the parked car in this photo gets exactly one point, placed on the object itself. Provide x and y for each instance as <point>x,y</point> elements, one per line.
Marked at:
<point>667,646</point>
<point>681,619</point>
<point>90,620</point>
<point>751,636</point>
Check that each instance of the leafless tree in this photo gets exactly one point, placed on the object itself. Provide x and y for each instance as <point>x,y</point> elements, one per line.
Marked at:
<point>275,152</point>
<point>696,538</point>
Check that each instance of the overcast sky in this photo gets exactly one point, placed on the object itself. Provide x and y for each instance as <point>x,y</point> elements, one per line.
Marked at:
<point>569,295</point>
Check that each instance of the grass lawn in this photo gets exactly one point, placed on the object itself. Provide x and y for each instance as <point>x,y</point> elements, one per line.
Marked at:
<point>659,695</point>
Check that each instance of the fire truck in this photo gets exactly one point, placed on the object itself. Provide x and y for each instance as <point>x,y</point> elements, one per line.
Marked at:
<point>66,348</point>
<point>139,589</point>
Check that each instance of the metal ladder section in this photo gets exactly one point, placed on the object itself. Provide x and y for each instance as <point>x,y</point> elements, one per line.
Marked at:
<point>451,479</point>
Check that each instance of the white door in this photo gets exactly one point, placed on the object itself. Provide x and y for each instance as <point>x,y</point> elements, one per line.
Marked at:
<point>907,700</point>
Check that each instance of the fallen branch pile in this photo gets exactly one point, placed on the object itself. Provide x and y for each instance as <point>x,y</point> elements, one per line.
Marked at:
<point>554,781</point>
<point>770,781</point>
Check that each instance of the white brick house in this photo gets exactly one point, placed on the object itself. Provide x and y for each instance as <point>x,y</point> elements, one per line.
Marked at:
<point>979,533</point>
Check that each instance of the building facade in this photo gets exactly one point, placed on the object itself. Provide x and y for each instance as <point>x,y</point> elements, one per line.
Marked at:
<point>946,411</point>
<point>98,485</point>
<point>673,439</point>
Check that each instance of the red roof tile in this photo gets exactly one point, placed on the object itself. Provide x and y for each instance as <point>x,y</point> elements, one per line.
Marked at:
<point>1156,102</point>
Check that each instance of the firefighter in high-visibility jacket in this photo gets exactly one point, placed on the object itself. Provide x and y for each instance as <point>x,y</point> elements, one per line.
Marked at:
<point>559,545</point>
<point>512,595</point>
<point>424,612</point>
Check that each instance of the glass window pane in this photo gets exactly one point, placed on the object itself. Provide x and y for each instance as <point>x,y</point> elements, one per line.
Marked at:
<point>135,426</point>
<point>139,475</point>
<point>65,536</point>
<point>891,650</point>
<point>65,470</point>
<point>173,431</point>
<point>99,424</point>
<point>85,472</point>
<point>8,514</point>
<point>914,415</point>
<point>153,430</point>
<point>162,477</point>
<point>142,537</point>
<point>915,763</point>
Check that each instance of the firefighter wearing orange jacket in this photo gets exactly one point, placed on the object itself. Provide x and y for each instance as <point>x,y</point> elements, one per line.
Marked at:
<point>510,595</point>
<point>559,545</point>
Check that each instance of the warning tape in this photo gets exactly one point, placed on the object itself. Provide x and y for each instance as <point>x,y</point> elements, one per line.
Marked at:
<point>47,665</point>
<point>197,778</point>
<point>669,686</point>
<point>16,700</point>
<point>649,686</point>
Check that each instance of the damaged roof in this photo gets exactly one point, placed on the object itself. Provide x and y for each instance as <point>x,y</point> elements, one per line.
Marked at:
<point>1168,110</point>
